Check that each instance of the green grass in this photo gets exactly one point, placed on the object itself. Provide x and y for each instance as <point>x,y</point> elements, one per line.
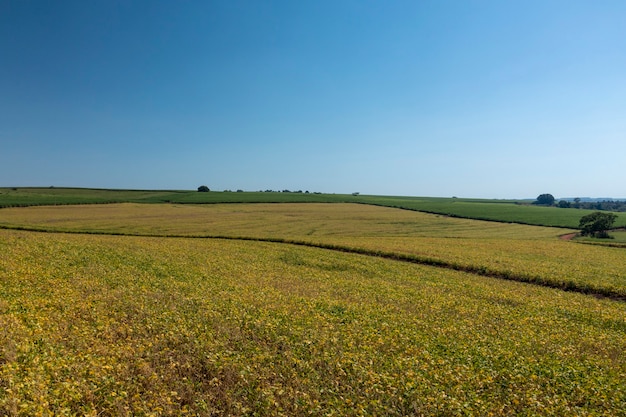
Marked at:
<point>494,210</point>
<point>617,239</point>
<point>619,236</point>
<point>30,196</point>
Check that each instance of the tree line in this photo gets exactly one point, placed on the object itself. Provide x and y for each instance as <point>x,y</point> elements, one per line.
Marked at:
<point>605,205</point>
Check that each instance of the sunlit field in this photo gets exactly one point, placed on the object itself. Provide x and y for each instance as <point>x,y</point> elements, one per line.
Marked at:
<point>515,211</point>
<point>264,220</point>
<point>184,319</point>
<point>120,325</point>
<point>527,253</point>
<point>304,208</point>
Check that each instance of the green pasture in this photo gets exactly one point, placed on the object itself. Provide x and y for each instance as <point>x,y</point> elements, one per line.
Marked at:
<point>619,236</point>
<point>32,196</point>
<point>617,239</point>
<point>508,211</point>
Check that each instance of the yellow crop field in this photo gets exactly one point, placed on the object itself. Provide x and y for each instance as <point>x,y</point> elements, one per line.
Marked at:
<point>528,253</point>
<point>123,325</point>
<point>551,262</point>
<point>315,220</point>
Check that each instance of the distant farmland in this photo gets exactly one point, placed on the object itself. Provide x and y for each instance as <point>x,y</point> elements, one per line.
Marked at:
<point>511,211</point>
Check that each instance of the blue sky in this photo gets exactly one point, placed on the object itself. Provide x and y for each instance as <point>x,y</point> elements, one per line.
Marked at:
<point>493,99</point>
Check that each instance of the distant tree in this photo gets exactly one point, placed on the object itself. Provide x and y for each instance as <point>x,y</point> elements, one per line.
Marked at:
<point>203,189</point>
<point>545,200</point>
<point>597,224</point>
<point>564,204</point>
<point>604,205</point>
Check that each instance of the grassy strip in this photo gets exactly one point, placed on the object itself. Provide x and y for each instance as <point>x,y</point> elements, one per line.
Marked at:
<point>565,285</point>
<point>617,240</point>
<point>605,244</point>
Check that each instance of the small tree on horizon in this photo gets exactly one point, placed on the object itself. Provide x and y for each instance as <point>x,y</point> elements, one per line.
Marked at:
<point>203,189</point>
<point>545,200</point>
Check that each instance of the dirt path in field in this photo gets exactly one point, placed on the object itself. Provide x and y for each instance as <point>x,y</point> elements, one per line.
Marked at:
<point>569,236</point>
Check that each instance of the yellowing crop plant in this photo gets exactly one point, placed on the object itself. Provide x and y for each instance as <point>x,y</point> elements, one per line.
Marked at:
<point>122,325</point>
<point>525,253</point>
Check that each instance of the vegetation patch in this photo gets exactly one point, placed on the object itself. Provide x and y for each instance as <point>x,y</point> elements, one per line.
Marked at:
<point>172,323</point>
<point>508,211</point>
<point>510,251</point>
<point>106,325</point>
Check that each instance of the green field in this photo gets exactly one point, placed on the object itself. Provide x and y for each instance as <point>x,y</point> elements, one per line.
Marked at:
<point>302,309</point>
<point>28,196</point>
<point>619,236</point>
<point>502,211</point>
<point>617,239</point>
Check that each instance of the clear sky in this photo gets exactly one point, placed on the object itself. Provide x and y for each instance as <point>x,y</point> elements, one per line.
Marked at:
<point>468,98</point>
